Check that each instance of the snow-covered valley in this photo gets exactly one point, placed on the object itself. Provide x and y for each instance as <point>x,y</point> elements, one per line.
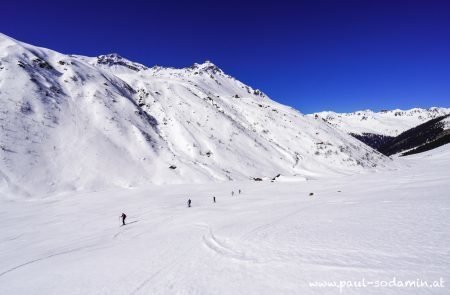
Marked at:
<point>274,238</point>
<point>300,202</point>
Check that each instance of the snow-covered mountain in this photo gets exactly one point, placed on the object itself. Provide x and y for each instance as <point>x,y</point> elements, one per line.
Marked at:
<point>387,123</point>
<point>73,122</point>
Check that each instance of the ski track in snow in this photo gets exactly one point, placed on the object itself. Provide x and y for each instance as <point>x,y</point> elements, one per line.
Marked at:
<point>156,274</point>
<point>39,259</point>
<point>272,239</point>
<point>220,248</point>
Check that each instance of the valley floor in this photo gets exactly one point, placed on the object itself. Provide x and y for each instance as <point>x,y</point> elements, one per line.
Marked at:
<point>272,239</point>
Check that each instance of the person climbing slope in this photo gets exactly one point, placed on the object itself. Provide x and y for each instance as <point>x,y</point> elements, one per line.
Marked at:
<point>123,216</point>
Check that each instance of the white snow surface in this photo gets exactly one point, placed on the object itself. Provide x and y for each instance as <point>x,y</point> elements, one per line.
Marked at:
<point>76,123</point>
<point>390,123</point>
<point>272,239</point>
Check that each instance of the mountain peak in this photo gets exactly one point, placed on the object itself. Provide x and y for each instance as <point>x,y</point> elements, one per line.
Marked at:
<point>115,59</point>
<point>206,66</point>
<point>208,63</point>
<point>113,56</point>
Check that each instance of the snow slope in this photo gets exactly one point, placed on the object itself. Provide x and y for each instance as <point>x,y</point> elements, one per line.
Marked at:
<point>71,122</point>
<point>389,123</point>
<point>272,239</point>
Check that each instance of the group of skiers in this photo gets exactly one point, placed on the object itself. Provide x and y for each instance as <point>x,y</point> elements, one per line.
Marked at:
<point>214,198</point>
<point>232,192</point>
<point>189,202</point>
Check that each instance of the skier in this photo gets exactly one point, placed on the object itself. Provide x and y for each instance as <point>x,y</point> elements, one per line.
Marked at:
<point>232,193</point>
<point>239,191</point>
<point>214,199</point>
<point>189,203</point>
<point>123,218</point>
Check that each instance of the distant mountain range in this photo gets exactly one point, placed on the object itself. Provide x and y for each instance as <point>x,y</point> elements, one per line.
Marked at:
<point>392,132</point>
<point>70,122</point>
<point>386,122</point>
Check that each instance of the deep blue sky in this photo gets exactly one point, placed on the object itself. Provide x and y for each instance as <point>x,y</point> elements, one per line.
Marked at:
<point>312,55</point>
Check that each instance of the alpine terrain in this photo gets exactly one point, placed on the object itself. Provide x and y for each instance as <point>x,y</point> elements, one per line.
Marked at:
<point>386,122</point>
<point>385,128</point>
<point>122,179</point>
<point>72,122</point>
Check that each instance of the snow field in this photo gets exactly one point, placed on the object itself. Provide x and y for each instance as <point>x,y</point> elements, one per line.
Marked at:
<point>272,239</point>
